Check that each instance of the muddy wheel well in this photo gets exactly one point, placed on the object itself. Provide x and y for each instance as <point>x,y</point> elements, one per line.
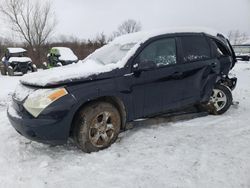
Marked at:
<point>112,100</point>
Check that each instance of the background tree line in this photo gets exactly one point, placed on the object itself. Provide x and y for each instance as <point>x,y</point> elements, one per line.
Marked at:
<point>34,22</point>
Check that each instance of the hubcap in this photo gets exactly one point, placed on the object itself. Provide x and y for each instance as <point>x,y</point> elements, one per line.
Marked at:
<point>102,129</point>
<point>218,99</point>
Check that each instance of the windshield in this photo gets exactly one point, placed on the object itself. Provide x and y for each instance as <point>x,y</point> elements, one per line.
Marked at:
<point>111,53</point>
<point>242,49</point>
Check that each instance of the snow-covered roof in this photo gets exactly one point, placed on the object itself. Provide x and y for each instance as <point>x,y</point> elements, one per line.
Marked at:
<point>20,59</point>
<point>66,54</point>
<point>16,50</point>
<point>145,35</point>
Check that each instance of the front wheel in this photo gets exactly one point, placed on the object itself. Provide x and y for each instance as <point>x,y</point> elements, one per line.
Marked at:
<point>33,68</point>
<point>10,71</point>
<point>220,100</point>
<point>96,127</point>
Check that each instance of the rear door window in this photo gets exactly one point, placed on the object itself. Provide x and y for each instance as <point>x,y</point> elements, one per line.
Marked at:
<point>195,48</point>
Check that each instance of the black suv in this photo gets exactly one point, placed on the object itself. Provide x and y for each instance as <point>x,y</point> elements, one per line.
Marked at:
<point>136,76</point>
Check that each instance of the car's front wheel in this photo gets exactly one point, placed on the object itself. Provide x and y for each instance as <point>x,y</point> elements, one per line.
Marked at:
<point>96,127</point>
<point>220,100</point>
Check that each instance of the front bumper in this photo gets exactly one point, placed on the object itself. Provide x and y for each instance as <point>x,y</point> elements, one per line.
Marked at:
<point>52,126</point>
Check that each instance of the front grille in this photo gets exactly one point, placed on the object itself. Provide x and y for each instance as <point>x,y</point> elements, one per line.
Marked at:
<point>23,65</point>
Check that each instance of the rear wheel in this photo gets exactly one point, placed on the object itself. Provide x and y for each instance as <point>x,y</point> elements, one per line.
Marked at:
<point>96,127</point>
<point>10,71</point>
<point>220,100</point>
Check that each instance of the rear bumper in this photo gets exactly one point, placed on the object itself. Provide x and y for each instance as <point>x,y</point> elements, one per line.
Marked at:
<point>229,82</point>
<point>232,82</point>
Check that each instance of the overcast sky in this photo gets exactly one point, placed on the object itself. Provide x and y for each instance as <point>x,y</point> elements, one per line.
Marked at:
<point>86,18</point>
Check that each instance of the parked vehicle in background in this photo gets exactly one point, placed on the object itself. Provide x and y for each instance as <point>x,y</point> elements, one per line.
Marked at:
<point>135,76</point>
<point>15,61</point>
<point>60,56</point>
<point>242,51</point>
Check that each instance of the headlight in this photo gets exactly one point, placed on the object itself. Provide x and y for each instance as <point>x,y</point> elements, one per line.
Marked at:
<point>41,98</point>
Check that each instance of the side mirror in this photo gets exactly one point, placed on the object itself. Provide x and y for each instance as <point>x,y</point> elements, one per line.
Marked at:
<point>145,65</point>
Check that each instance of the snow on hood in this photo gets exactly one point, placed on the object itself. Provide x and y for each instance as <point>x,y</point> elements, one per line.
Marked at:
<point>66,54</point>
<point>82,69</point>
<point>20,59</point>
<point>16,50</point>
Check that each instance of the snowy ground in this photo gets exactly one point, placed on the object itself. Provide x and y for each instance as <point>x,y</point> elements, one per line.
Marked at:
<point>212,151</point>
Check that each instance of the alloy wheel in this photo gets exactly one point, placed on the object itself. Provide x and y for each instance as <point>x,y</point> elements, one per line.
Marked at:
<point>218,99</point>
<point>102,129</point>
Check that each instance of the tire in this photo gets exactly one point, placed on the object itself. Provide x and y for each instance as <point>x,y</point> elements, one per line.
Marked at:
<point>33,68</point>
<point>3,70</point>
<point>59,64</point>
<point>45,66</point>
<point>96,127</point>
<point>10,71</point>
<point>220,100</point>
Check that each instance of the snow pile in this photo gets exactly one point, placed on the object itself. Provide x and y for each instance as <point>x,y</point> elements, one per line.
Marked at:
<point>20,59</point>
<point>66,54</point>
<point>211,151</point>
<point>7,87</point>
<point>16,50</point>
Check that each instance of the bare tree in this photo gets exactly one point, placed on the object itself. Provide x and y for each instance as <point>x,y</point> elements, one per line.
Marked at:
<point>128,26</point>
<point>33,21</point>
<point>236,37</point>
<point>100,39</point>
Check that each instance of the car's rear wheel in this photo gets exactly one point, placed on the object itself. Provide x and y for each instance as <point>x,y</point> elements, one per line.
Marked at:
<point>10,71</point>
<point>220,100</point>
<point>96,127</point>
